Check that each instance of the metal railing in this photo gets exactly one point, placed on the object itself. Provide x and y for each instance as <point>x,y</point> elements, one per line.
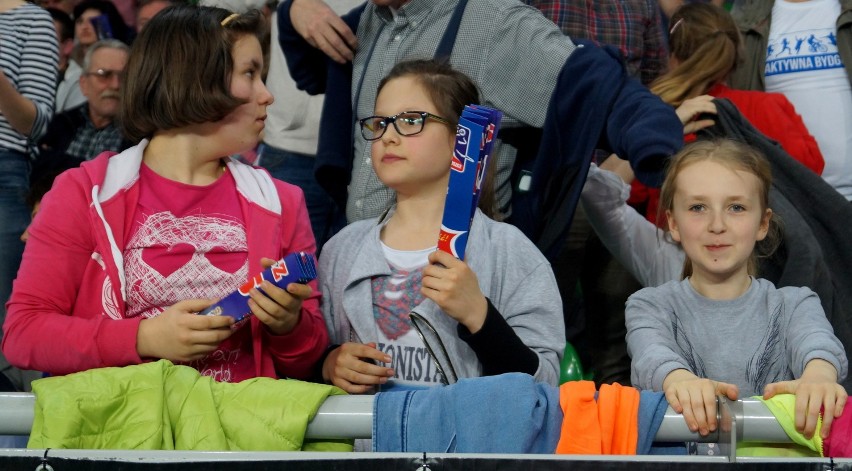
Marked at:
<point>352,417</point>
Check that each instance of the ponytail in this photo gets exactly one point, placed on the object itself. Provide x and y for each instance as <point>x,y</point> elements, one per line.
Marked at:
<point>706,44</point>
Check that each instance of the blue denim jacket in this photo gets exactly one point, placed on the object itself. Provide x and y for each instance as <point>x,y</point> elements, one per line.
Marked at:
<point>509,413</point>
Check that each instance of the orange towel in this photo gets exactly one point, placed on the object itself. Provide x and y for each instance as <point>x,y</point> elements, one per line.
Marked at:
<point>608,426</point>
<point>608,399</point>
<point>618,412</point>
<point>581,432</point>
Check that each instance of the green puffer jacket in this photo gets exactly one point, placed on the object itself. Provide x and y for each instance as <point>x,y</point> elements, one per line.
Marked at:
<point>161,406</point>
<point>783,407</point>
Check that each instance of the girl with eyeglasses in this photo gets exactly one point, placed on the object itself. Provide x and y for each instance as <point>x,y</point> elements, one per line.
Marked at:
<point>401,313</point>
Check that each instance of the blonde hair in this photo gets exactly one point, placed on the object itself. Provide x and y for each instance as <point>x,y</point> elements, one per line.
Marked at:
<point>736,156</point>
<point>707,44</point>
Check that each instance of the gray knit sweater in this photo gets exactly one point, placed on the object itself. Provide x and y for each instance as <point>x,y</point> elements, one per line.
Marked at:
<point>765,335</point>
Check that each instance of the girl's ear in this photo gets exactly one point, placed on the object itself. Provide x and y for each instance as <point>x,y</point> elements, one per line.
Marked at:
<point>673,230</point>
<point>764,225</point>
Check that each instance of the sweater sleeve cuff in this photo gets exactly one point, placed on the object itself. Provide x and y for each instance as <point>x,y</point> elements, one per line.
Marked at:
<point>498,347</point>
<point>116,342</point>
<point>302,339</point>
<point>317,372</point>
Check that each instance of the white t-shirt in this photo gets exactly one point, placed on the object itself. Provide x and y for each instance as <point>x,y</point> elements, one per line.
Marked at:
<point>393,298</point>
<point>803,63</point>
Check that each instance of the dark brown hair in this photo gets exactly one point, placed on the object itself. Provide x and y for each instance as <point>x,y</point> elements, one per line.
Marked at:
<point>736,156</point>
<point>705,40</point>
<point>64,19</point>
<point>450,91</point>
<point>179,70</point>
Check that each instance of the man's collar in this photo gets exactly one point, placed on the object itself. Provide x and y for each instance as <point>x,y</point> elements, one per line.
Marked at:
<point>413,10</point>
<point>87,115</point>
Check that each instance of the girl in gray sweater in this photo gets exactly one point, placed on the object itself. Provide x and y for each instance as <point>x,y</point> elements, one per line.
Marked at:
<point>720,330</point>
<point>496,311</point>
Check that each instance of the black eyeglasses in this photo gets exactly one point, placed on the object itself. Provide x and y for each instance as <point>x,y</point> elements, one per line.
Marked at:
<point>106,74</point>
<point>407,123</point>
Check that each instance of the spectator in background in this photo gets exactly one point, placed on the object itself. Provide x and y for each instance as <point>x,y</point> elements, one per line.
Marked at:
<point>68,93</point>
<point>147,9</point>
<point>631,26</point>
<point>814,71</point>
<point>81,133</point>
<point>38,188</point>
<point>28,58</point>
<point>523,72</point>
<point>66,6</point>
<point>65,34</point>
<point>290,140</point>
<point>127,10</point>
<point>594,314</point>
<point>669,7</point>
<point>705,50</point>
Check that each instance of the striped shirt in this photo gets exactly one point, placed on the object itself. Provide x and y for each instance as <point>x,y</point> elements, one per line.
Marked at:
<point>29,53</point>
<point>512,53</point>
<point>632,26</point>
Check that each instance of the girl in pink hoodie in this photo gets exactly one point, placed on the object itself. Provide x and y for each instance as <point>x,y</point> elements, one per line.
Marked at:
<point>129,247</point>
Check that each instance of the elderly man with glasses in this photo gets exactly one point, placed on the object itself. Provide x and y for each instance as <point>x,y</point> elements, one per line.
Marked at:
<point>83,132</point>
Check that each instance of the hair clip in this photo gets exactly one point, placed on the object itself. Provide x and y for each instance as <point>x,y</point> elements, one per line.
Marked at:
<point>229,18</point>
<point>677,23</point>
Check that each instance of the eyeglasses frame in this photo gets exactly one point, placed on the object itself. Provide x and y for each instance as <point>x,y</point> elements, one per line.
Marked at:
<point>424,115</point>
<point>105,74</point>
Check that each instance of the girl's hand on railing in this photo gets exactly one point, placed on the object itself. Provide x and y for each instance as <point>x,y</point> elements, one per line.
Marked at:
<point>695,398</point>
<point>815,390</point>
